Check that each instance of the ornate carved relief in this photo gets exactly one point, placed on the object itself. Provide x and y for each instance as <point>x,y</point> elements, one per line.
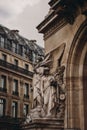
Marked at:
<point>49,90</point>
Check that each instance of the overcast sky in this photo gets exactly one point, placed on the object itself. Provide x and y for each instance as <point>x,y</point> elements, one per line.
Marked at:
<point>24,15</point>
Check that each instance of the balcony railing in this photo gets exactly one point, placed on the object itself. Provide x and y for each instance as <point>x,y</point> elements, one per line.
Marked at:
<point>15,93</point>
<point>15,68</point>
<point>3,90</point>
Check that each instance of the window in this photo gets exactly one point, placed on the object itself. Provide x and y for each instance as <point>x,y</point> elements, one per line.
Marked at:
<point>26,66</point>
<point>26,90</point>
<point>14,109</point>
<point>20,50</point>
<point>4,57</point>
<point>2,107</point>
<point>15,62</point>
<point>2,44</point>
<point>30,55</point>
<point>3,83</point>
<point>25,109</point>
<point>15,87</point>
<point>24,50</point>
<point>14,47</point>
<point>8,45</point>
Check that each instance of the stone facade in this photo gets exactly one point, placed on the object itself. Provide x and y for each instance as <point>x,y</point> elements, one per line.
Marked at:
<point>17,57</point>
<point>66,24</point>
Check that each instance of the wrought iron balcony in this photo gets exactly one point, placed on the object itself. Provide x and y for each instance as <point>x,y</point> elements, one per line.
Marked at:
<point>3,90</point>
<point>15,93</point>
<point>15,68</point>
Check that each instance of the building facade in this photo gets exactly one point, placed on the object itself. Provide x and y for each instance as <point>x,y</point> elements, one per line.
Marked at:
<point>17,57</point>
<point>65,29</point>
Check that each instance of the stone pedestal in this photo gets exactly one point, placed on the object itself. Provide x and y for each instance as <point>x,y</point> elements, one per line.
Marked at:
<point>44,124</point>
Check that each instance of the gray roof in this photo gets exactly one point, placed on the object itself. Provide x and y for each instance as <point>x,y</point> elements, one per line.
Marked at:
<point>15,36</point>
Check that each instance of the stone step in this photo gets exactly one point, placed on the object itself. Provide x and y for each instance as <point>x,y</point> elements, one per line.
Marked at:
<point>44,124</point>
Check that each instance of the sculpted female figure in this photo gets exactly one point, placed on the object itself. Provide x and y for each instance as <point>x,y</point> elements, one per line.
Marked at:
<point>44,92</point>
<point>49,93</point>
<point>37,86</point>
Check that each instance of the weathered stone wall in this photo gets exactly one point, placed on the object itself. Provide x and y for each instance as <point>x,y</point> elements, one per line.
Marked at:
<point>74,113</point>
<point>64,35</point>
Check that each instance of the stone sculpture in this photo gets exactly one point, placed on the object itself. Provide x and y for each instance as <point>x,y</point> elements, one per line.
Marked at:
<point>49,91</point>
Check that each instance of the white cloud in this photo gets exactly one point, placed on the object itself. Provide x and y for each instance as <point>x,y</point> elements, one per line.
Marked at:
<point>24,15</point>
<point>11,8</point>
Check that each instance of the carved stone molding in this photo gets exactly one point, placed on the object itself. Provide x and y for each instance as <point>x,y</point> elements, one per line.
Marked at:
<point>62,12</point>
<point>57,25</point>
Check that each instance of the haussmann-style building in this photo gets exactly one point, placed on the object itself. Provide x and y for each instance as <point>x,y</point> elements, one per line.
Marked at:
<point>17,57</point>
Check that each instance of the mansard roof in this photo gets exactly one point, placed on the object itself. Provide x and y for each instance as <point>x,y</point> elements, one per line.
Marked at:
<point>14,35</point>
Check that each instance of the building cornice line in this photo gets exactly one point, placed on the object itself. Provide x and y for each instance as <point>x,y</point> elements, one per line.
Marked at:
<point>17,73</point>
<point>54,27</point>
<point>48,23</point>
<point>15,55</point>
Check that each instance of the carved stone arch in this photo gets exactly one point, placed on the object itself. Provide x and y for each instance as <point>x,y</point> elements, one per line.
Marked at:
<point>75,73</point>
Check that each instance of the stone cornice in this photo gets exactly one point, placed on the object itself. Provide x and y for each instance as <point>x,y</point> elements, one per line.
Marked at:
<point>48,19</point>
<point>53,2</point>
<point>67,10</point>
<point>43,28</point>
<point>57,25</point>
